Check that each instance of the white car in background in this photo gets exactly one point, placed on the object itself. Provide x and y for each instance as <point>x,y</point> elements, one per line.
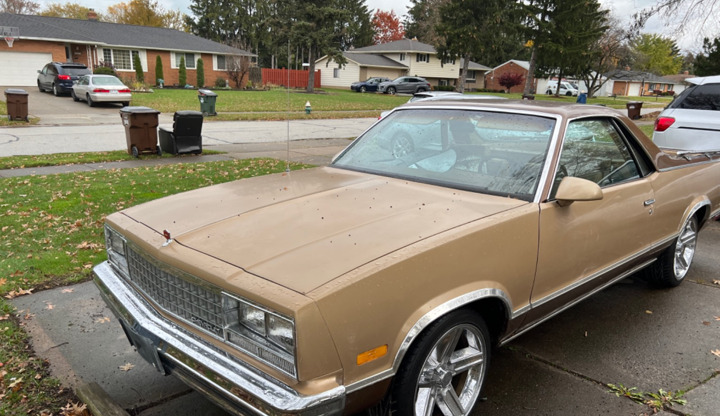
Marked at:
<point>692,120</point>
<point>101,89</point>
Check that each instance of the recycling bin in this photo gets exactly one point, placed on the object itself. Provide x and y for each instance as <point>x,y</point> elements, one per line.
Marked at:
<point>185,136</point>
<point>207,102</point>
<point>17,104</point>
<point>140,130</point>
<point>633,109</point>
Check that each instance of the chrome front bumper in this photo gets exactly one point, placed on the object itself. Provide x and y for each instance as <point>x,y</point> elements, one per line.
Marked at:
<point>171,349</point>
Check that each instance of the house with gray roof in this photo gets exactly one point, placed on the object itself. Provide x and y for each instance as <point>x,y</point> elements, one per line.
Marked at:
<point>639,83</point>
<point>393,60</point>
<point>42,39</point>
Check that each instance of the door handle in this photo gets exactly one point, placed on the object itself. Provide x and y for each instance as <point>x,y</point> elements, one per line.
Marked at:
<point>648,202</point>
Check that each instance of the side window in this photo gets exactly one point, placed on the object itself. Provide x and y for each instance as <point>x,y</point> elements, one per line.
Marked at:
<point>595,150</point>
<point>702,97</point>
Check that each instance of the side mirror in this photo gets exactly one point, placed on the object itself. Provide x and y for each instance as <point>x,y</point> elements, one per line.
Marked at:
<point>573,189</point>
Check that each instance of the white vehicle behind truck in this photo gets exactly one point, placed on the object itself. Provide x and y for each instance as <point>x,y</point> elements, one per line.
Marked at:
<point>566,88</point>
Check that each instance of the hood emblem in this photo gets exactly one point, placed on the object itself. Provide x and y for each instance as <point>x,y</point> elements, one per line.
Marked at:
<point>168,238</point>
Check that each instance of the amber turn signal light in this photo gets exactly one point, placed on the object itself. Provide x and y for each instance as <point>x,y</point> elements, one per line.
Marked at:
<point>372,354</point>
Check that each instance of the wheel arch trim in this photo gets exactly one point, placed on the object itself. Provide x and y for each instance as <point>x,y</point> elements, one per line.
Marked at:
<point>427,319</point>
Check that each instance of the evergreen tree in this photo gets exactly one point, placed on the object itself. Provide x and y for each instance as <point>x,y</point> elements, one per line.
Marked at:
<point>573,27</point>
<point>139,74</point>
<point>158,70</point>
<point>182,73</point>
<point>708,63</point>
<point>656,54</point>
<point>200,71</point>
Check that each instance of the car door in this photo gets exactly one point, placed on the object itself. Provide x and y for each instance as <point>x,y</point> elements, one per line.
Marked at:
<point>81,87</point>
<point>405,85</point>
<point>588,244</point>
<point>44,76</point>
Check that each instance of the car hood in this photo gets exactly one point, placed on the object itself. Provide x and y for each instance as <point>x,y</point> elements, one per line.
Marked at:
<point>305,228</point>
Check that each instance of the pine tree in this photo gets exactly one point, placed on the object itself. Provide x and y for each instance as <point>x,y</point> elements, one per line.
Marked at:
<point>159,70</point>
<point>200,68</point>
<point>182,73</point>
<point>139,74</point>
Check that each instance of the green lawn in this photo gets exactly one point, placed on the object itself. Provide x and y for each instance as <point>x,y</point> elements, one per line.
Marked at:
<point>51,234</point>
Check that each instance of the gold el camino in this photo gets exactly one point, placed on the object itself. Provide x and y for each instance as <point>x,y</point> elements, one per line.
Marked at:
<point>385,278</point>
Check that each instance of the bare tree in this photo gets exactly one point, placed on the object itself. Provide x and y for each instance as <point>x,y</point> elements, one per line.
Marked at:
<point>682,15</point>
<point>238,67</point>
<point>609,50</point>
<point>19,6</point>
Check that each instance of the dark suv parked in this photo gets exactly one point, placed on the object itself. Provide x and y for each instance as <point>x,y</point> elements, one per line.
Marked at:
<point>59,77</point>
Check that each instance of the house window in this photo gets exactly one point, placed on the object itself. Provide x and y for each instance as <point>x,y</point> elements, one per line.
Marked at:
<point>402,56</point>
<point>189,60</point>
<point>336,72</point>
<point>448,62</point>
<point>221,66</point>
<point>470,77</point>
<point>120,58</point>
<point>423,57</point>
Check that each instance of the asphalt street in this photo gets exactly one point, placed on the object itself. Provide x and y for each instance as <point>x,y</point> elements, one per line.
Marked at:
<point>630,334</point>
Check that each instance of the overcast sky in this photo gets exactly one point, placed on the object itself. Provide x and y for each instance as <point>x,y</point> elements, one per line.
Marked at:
<point>622,9</point>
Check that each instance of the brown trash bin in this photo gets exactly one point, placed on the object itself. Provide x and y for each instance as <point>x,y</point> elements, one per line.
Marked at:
<point>17,104</point>
<point>140,130</point>
<point>633,109</point>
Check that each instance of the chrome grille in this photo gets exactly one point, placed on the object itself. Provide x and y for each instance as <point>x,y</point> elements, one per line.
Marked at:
<point>192,302</point>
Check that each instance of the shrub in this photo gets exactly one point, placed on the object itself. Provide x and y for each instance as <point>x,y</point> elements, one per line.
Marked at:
<point>200,73</point>
<point>220,82</point>
<point>158,70</point>
<point>182,72</point>
<point>104,68</point>
<point>444,88</point>
<point>139,74</point>
<point>255,76</point>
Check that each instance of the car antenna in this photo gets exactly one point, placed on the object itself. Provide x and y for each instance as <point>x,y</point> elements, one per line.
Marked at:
<point>287,157</point>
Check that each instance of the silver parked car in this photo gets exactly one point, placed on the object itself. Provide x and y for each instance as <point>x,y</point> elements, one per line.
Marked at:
<point>101,89</point>
<point>409,85</point>
<point>690,121</point>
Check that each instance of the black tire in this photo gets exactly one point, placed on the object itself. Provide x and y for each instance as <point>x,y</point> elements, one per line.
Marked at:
<point>39,87</point>
<point>569,94</point>
<point>90,102</point>
<point>55,90</point>
<point>74,97</point>
<point>420,90</point>
<point>673,264</point>
<point>363,89</point>
<point>159,150</point>
<point>125,103</point>
<point>391,90</point>
<point>428,369</point>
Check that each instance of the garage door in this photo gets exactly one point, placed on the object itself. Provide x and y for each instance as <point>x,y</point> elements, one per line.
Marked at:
<point>20,68</point>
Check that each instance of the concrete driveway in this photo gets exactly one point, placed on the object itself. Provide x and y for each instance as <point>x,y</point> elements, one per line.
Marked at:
<point>62,110</point>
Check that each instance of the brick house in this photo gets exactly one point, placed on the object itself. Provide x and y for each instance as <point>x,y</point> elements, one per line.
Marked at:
<point>44,39</point>
<point>513,66</point>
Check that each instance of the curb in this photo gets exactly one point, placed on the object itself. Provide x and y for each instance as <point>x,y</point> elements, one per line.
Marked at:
<point>98,401</point>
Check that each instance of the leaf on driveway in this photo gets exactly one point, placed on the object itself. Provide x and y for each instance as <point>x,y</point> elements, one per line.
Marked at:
<point>49,306</point>
<point>649,312</point>
<point>68,290</point>
<point>716,353</point>
<point>102,320</point>
<point>126,367</point>
<point>716,282</point>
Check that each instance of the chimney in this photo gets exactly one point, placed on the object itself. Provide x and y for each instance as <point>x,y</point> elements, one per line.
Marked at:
<point>91,15</point>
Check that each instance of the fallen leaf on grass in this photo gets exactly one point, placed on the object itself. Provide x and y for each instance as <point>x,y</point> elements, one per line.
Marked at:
<point>2,281</point>
<point>126,367</point>
<point>15,385</point>
<point>74,409</point>
<point>5,317</point>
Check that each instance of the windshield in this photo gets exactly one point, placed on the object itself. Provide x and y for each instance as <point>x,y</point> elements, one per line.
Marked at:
<point>490,152</point>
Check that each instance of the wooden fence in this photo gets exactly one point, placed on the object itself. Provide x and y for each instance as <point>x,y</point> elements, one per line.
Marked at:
<point>297,78</point>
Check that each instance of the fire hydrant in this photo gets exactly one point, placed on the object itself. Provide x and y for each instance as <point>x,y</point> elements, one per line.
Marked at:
<point>308,109</point>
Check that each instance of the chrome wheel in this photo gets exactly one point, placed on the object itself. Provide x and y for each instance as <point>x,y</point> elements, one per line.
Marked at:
<point>685,248</point>
<point>452,374</point>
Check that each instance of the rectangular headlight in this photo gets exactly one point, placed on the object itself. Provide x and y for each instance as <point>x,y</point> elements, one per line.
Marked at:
<point>264,334</point>
<point>116,245</point>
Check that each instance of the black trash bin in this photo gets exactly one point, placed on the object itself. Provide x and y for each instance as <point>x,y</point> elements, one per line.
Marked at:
<point>17,104</point>
<point>207,102</point>
<point>633,109</point>
<point>140,129</point>
<point>185,136</point>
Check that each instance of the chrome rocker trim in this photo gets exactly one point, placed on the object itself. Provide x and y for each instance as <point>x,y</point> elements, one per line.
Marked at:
<point>234,386</point>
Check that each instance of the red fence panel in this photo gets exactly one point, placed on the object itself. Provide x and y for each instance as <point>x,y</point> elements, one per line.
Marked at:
<point>296,78</point>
